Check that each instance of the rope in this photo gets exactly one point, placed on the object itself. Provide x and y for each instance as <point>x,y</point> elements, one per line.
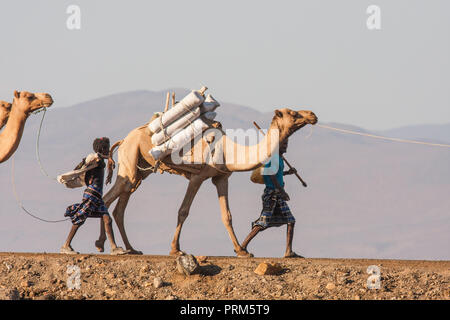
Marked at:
<point>20,204</point>
<point>384,138</point>
<point>145,169</point>
<point>37,147</point>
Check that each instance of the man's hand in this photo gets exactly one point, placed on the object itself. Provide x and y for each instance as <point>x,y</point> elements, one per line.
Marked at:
<point>285,196</point>
<point>290,171</point>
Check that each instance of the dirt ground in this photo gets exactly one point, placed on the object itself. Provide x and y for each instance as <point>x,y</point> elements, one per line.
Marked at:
<point>51,276</point>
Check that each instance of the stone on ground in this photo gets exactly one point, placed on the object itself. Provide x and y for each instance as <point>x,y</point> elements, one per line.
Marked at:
<point>268,269</point>
<point>187,264</point>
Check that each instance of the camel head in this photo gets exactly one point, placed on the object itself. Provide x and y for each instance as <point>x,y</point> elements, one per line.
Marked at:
<point>288,121</point>
<point>5,109</point>
<point>28,102</point>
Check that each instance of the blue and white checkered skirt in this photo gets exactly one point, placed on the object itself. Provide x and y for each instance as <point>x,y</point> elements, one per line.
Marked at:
<point>275,210</point>
<point>92,206</point>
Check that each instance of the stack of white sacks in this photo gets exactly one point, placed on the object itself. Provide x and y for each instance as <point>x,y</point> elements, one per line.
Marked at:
<point>183,122</point>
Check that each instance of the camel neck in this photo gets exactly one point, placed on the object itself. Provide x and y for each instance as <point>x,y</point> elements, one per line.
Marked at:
<point>12,133</point>
<point>245,158</point>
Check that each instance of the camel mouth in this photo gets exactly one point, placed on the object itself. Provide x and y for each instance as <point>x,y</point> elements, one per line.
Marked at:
<point>313,121</point>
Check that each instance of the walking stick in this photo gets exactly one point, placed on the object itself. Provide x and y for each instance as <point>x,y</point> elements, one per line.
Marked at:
<point>282,156</point>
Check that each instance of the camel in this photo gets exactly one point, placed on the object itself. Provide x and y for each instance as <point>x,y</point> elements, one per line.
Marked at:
<point>23,104</point>
<point>133,157</point>
<point>5,109</point>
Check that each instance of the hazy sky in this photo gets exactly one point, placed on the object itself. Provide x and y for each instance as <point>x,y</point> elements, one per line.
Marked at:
<point>312,54</point>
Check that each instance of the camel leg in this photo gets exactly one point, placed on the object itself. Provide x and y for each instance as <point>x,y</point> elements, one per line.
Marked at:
<point>118,214</point>
<point>194,184</point>
<point>221,183</point>
<point>109,198</point>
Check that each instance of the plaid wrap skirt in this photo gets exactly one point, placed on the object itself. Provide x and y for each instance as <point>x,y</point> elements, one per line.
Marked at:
<point>92,206</point>
<point>275,210</point>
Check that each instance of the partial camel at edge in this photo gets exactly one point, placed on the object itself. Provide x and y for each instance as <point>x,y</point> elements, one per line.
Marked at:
<point>15,117</point>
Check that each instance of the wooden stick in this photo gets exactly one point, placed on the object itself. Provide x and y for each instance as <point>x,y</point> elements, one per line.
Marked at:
<point>173,99</point>
<point>202,90</point>
<point>167,102</point>
<point>282,156</point>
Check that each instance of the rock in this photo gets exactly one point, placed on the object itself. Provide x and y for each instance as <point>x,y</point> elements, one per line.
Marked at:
<point>9,294</point>
<point>357,297</point>
<point>157,282</point>
<point>330,286</point>
<point>144,270</point>
<point>226,289</point>
<point>268,269</point>
<point>320,273</point>
<point>187,264</point>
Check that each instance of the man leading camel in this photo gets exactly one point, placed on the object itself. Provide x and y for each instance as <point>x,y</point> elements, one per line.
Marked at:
<point>92,205</point>
<point>275,210</point>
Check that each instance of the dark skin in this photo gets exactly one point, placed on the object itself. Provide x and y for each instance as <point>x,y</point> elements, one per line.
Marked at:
<point>290,227</point>
<point>102,153</point>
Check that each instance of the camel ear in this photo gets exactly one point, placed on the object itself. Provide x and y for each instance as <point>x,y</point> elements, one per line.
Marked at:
<point>16,94</point>
<point>278,113</point>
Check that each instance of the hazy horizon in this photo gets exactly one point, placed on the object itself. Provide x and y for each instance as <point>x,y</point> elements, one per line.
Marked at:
<point>319,56</point>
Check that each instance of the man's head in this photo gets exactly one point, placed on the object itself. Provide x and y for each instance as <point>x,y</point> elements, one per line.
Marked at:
<point>283,146</point>
<point>101,146</point>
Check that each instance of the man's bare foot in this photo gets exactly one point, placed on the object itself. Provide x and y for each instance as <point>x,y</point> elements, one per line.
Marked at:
<point>67,250</point>
<point>118,251</point>
<point>292,255</point>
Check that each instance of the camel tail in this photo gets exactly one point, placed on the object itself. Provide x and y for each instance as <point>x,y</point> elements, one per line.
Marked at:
<point>111,163</point>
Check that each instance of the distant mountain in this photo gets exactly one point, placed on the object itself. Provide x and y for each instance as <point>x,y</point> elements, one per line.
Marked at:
<point>366,198</point>
<point>427,132</point>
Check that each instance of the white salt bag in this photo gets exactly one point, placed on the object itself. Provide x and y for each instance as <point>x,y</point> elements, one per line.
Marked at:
<point>75,178</point>
<point>165,134</point>
<point>188,103</point>
<point>179,140</point>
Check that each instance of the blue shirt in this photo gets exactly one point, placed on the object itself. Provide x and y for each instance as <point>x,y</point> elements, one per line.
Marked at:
<point>275,165</point>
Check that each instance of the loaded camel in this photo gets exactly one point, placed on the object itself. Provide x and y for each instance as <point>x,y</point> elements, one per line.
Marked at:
<point>134,150</point>
<point>23,104</point>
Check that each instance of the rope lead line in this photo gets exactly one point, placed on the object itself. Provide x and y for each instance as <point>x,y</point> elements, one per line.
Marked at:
<point>20,202</point>
<point>384,138</point>
<point>37,147</point>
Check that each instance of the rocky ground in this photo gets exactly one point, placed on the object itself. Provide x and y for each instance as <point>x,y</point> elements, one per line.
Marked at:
<point>50,276</point>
